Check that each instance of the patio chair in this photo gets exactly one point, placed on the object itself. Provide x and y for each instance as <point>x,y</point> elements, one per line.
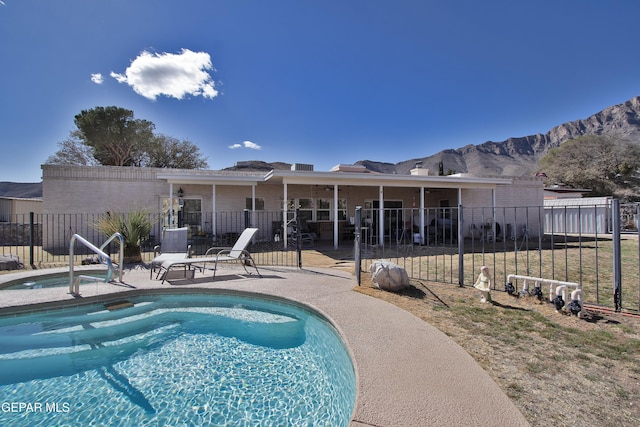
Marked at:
<point>174,246</point>
<point>237,253</point>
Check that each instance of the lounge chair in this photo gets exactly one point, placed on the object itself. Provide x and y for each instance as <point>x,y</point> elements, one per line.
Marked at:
<point>237,253</point>
<point>174,246</point>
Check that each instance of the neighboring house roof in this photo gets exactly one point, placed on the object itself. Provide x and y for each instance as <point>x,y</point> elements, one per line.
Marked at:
<point>578,201</point>
<point>26,199</point>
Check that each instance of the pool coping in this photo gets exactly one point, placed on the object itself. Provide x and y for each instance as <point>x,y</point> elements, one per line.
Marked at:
<point>408,373</point>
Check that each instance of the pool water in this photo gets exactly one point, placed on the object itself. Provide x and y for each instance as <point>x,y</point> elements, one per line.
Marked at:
<point>48,281</point>
<point>175,360</point>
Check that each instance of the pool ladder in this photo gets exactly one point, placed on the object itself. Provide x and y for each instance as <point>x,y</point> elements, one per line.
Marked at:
<point>74,285</point>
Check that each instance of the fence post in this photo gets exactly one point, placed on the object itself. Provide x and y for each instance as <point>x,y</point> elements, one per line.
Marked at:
<point>298,237</point>
<point>31,242</point>
<point>246,219</point>
<point>357,255</point>
<point>617,259</point>
<point>460,247</point>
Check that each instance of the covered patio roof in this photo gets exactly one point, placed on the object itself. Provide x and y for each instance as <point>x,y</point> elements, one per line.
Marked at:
<point>458,181</point>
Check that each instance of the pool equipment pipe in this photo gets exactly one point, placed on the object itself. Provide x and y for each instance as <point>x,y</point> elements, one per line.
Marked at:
<point>555,286</point>
<point>575,306</point>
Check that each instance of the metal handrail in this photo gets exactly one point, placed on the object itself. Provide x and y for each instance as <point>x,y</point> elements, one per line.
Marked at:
<point>74,287</point>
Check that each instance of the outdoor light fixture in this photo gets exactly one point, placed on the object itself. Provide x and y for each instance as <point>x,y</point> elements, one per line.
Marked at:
<point>180,192</point>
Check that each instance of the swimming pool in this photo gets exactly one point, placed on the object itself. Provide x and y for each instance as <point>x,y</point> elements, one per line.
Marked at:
<point>197,359</point>
<point>44,281</point>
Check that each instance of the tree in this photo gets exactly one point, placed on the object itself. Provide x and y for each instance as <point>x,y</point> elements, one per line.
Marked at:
<point>167,152</point>
<point>603,164</point>
<point>73,151</point>
<point>112,136</point>
<point>117,139</point>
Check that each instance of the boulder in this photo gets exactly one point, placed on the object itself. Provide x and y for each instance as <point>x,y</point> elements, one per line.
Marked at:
<point>388,276</point>
<point>10,262</point>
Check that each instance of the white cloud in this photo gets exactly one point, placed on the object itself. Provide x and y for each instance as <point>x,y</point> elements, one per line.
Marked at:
<point>168,74</point>
<point>249,144</point>
<point>246,144</point>
<point>97,78</point>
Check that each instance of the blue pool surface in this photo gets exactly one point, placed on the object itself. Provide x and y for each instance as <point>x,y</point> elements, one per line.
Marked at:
<point>49,281</point>
<point>197,359</point>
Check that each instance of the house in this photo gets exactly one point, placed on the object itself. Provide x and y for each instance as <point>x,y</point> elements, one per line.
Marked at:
<point>15,215</point>
<point>216,203</point>
<point>13,209</point>
<point>562,192</point>
<point>581,215</point>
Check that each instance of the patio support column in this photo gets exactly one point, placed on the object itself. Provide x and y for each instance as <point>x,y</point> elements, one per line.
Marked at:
<point>284,215</point>
<point>422,239</point>
<point>381,216</point>
<point>253,204</point>
<point>170,205</point>
<point>214,225</point>
<point>493,212</point>
<point>335,216</point>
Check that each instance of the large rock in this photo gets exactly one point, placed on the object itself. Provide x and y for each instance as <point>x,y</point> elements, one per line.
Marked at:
<point>10,262</point>
<point>388,276</point>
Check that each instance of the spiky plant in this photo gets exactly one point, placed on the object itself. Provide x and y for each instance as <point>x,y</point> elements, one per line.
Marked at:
<point>134,226</point>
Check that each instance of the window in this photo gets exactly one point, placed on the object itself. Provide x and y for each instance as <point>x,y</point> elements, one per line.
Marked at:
<point>306,210</point>
<point>318,209</point>
<point>259,203</point>
<point>342,209</point>
<point>191,215</point>
<point>185,213</point>
<point>323,213</point>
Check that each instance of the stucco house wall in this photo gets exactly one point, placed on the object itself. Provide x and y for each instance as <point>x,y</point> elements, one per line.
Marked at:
<point>517,207</point>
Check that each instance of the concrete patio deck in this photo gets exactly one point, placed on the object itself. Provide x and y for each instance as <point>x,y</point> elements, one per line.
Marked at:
<point>408,373</point>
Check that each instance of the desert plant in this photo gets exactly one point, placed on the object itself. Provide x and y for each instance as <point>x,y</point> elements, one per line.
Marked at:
<point>134,227</point>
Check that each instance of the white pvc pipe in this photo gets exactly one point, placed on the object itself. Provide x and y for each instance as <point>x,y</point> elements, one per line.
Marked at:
<point>539,281</point>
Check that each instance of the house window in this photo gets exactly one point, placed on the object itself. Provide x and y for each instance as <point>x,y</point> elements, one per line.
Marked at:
<point>323,213</point>
<point>319,209</point>
<point>259,204</point>
<point>342,209</point>
<point>306,210</point>
<point>185,213</point>
<point>191,215</point>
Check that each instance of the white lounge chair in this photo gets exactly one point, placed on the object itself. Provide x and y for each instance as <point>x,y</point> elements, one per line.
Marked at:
<point>174,246</point>
<point>237,253</point>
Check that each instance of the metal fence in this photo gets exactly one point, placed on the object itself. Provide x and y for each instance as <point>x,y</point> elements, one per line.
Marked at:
<point>595,246</point>
<point>42,241</point>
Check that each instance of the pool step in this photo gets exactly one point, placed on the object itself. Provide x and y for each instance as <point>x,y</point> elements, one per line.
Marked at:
<point>39,363</point>
<point>118,305</point>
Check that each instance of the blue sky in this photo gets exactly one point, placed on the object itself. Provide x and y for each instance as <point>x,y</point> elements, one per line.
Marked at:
<point>310,81</point>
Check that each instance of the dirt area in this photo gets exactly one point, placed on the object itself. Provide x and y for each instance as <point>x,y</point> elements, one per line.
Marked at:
<point>559,370</point>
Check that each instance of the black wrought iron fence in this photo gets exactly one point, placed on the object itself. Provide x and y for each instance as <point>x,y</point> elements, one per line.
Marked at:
<point>42,240</point>
<point>595,246</point>
<point>576,244</point>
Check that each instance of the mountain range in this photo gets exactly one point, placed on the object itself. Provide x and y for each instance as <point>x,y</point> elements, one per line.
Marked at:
<point>512,157</point>
<point>520,156</point>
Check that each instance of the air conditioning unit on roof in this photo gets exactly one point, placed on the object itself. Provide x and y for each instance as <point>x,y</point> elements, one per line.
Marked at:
<point>302,167</point>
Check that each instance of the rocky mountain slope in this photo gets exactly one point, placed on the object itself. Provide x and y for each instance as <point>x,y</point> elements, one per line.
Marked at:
<point>519,156</point>
<point>21,189</point>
